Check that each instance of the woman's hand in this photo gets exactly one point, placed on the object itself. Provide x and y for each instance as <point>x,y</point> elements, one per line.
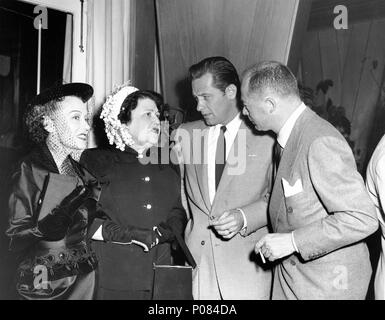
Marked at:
<point>54,226</point>
<point>145,238</point>
<point>165,233</point>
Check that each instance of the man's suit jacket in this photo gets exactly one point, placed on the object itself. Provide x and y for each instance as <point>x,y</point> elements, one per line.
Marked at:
<point>229,264</point>
<point>330,216</point>
<point>375,178</point>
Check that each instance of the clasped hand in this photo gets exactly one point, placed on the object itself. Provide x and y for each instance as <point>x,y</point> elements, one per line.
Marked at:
<point>145,238</point>
<point>228,224</point>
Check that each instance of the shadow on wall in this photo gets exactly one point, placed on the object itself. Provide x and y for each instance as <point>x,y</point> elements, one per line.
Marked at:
<point>98,126</point>
<point>186,100</point>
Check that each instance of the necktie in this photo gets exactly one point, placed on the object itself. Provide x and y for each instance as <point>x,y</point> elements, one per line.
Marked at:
<point>220,156</point>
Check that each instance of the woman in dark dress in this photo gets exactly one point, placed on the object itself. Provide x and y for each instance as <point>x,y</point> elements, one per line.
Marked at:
<point>55,259</point>
<point>140,201</point>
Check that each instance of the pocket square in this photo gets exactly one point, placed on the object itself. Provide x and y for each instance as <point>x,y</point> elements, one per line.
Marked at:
<point>289,190</point>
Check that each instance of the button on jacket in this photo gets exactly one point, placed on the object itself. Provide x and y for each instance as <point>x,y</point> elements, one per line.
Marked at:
<point>133,194</point>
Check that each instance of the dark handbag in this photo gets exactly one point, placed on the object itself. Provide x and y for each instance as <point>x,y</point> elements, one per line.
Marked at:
<point>174,282</point>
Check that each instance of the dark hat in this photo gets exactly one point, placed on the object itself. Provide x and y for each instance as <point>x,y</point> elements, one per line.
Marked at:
<point>81,90</point>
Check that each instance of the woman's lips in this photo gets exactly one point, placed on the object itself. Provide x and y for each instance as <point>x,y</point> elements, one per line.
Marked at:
<point>82,137</point>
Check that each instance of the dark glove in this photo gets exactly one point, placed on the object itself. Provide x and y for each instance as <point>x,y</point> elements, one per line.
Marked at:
<point>54,226</point>
<point>94,188</point>
<point>168,230</point>
<point>165,233</point>
<point>94,212</point>
<point>145,238</point>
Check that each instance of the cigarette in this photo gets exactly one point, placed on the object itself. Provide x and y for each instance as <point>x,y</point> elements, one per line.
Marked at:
<point>262,257</point>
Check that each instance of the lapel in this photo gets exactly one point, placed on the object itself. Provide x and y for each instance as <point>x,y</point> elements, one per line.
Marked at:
<point>288,158</point>
<point>43,157</point>
<point>201,168</point>
<point>235,148</point>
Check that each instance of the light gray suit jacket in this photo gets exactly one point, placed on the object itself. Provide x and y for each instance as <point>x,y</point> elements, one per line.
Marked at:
<point>229,264</point>
<point>331,216</point>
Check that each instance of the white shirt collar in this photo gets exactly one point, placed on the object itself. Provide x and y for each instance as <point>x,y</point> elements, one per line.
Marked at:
<point>233,126</point>
<point>284,133</point>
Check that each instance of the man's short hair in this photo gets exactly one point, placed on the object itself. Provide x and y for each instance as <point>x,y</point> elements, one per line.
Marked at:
<point>222,70</point>
<point>273,76</point>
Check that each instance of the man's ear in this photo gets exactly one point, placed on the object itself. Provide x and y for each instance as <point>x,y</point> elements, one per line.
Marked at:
<point>48,124</point>
<point>231,91</point>
<point>271,104</point>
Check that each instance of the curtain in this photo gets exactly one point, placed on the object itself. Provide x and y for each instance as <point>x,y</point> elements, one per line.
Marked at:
<point>109,49</point>
<point>354,60</point>
<point>68,41</point>
<point>244,31</point>
<point>157,83</point>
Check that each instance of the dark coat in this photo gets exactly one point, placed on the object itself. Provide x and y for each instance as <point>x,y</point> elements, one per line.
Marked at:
<point>65,258</point>
<point>28,183</point>
<point>8,159</point>
<point>133,194</point>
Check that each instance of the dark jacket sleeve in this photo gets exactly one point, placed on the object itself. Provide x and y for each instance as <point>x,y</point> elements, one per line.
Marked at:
<point>23,201</point>
<point>92,160</point>
<point>177,217</point>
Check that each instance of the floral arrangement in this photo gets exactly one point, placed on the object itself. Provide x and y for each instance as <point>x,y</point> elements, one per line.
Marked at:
<point>117,133</point>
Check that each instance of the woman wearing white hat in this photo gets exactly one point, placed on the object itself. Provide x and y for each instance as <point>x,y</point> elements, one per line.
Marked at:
<point>140,201</point>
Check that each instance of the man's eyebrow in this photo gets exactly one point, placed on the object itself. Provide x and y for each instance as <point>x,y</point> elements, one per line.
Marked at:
<point>150,109</point>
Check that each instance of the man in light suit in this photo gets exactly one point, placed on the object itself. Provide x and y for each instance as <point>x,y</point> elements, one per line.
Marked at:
<point>227,182</point>
<point>319,209</point>
<point>375,184</point>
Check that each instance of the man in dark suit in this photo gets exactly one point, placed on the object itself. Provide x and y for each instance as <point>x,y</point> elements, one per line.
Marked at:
<point>319,209</point>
